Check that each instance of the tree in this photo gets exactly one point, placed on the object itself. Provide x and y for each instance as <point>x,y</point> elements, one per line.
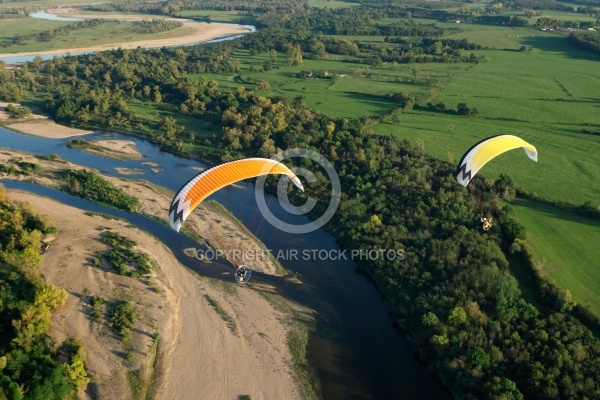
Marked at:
<point>415,73</point>
<point>273,56</point>
<point>479,357</point>
<point>157,97</point>
<point>430,319</point>
<point>294,56</point>
<point>462,109</point>
<point>264,85</point>
<point>457,316</point>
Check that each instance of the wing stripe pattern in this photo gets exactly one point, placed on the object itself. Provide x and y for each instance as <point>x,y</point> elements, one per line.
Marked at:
<point>487,149</point>
<point>213,179</point>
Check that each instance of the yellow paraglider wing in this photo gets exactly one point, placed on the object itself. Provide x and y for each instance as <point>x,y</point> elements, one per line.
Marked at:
<point>484,151</point>
<point>213,179</point>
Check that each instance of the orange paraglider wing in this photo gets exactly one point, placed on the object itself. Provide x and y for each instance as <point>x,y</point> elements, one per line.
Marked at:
<point>207,182</point>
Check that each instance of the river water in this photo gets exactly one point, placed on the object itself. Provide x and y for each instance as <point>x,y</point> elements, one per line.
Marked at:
<point>369,359</point>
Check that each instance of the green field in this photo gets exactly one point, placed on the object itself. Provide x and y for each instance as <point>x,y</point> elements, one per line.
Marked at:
<point>565,249</point>
<point>230,17</point>
<point>10,27</point>
<point>545,96</point>
<point>330,4</point>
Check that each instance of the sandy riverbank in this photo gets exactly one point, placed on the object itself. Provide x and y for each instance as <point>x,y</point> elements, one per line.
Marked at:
<point>217,340</point>
<point>192,32</point>
<point>117,149</point>
<point>37,125</point>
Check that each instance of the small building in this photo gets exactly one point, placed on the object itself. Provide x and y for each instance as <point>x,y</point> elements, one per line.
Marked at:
<point>304,74</point>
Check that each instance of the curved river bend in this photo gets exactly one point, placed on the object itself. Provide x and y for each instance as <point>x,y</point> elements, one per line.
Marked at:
<point>370,360</point>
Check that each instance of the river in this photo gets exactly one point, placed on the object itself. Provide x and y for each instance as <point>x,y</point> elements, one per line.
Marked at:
<point>369,360</point>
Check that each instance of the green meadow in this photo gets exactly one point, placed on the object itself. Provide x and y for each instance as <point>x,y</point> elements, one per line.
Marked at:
<point>543,95</point>
<point>48,4</point>
<point>10,27</point>
<point>565,249</point>
<point>330,4</point>
<point>231,17</point>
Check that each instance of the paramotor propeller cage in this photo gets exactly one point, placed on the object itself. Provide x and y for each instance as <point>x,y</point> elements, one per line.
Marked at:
<point>242,274</point>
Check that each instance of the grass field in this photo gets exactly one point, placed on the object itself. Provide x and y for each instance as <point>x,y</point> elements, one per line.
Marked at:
<point>565,248</point>
<point>545,96</point>
<point>230,17</point>
<point>10,27</point>
<point>330,4</point>
<point>107,33</point>
<point>153,113</point>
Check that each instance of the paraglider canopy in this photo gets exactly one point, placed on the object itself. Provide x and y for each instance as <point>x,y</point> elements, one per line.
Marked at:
<point>242,274</point>
<point>204,184</point>
<point>479,155</point>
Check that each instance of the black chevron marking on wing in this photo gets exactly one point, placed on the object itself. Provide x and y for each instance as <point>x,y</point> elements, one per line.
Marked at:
<point>174,209</point>
<point>466,175</point>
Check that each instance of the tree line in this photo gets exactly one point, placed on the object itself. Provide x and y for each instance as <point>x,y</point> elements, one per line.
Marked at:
<point>589,41</point>
<point>29,365</point>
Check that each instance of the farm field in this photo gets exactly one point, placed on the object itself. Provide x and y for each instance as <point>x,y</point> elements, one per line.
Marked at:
<point>542,95</point>
<point>565,248</point>
<point>36,5</point>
